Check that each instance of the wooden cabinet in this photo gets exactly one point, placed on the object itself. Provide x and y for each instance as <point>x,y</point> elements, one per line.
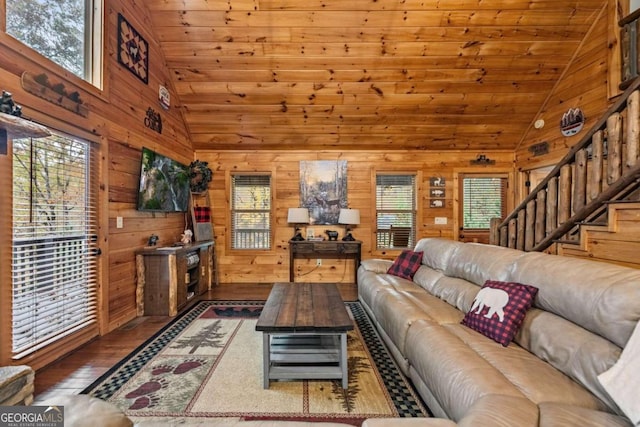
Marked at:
<point>170,277</point>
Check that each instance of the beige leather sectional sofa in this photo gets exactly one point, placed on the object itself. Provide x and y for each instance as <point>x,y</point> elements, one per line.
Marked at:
<point>583,315</point>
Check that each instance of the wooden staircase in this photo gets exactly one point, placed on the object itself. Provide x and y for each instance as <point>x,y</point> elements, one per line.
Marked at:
<point>603,167</point>
<point>617,241</point>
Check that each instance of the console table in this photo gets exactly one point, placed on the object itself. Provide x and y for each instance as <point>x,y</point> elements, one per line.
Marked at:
<point>326,249</point>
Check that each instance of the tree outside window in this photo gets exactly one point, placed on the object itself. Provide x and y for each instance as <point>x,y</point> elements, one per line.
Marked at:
<point>251,212</point>
<point>61,30</point>
<point>395,211</point>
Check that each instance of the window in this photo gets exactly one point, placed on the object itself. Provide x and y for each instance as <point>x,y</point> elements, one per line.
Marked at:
<point>395,211</point>
<point>251,212</point>
<point>483,198</point>
<point>68,32</point>
<point>54,268</point>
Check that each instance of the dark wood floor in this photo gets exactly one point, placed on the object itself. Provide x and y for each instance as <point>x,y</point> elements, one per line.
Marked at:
<point>75,372</point>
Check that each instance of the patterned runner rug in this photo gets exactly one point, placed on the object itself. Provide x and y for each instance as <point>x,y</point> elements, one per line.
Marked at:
<point>208,364</point>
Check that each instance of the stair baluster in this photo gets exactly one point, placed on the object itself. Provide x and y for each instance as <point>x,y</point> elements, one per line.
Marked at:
<point>576,189</point>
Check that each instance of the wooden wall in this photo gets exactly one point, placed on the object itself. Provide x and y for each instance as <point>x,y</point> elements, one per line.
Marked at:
<point>116,124</point>
<point>582,85</point>
<point>271,266</point>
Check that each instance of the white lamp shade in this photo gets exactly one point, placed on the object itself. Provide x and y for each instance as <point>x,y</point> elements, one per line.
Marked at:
<point>349,216</point>
<point>298,216</point>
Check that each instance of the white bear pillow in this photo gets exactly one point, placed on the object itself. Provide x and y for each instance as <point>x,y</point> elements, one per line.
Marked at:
<point>499,309</point>
<point>622,380</point>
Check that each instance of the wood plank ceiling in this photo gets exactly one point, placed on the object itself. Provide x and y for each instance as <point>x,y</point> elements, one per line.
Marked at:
<point>366,74</point>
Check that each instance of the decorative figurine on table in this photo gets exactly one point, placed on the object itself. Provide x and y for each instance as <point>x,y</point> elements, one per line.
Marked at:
<point>186,237</point>
<point>333,235</point>
<point>7,105</point>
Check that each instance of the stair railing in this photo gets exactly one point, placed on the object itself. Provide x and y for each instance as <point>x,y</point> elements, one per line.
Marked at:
<point>599,168</point>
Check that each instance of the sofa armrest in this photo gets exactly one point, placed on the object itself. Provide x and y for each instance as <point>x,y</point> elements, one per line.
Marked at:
<point>16,385</point>
<point>408,422</point>
<point>81,410</point>
<point>379,266</point>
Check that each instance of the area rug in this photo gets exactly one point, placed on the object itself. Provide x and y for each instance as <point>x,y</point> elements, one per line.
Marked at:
<point>207,364</point>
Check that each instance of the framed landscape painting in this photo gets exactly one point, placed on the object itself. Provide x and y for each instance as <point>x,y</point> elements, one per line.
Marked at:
<point>323,189</point>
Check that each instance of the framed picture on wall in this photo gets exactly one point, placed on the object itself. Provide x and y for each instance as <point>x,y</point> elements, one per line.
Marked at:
<point>436,192</point>
<point>133,50</point>
<point>323,189</point>
<point>436,181</point>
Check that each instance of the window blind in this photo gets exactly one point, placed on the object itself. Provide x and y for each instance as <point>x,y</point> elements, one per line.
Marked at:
<point>395,211</point>
<point>54,268</point>
<point>251,212</point>
<point>483,198</point>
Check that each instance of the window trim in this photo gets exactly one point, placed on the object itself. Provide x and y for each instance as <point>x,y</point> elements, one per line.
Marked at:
<point>99,85</point>
<point>229,214</point>
<point>417,173</point>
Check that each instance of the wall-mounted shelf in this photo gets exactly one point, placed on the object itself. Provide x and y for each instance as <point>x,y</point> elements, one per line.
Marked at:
<point>17,127</point>
<point>32,85</point>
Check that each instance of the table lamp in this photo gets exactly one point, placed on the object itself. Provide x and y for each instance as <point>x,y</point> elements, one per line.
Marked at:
<point>298,216</point>
<point>349,217</point>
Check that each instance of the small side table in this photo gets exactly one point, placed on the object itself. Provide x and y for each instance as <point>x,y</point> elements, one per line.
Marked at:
<point>326,249</point>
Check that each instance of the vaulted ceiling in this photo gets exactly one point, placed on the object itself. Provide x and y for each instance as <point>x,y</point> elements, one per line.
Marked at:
<point>366,74</point>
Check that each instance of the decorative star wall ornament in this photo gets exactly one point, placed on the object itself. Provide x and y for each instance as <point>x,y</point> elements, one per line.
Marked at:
<point>133,50</point>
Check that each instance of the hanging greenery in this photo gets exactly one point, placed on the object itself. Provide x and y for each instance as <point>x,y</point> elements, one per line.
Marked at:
<point>200,176</point>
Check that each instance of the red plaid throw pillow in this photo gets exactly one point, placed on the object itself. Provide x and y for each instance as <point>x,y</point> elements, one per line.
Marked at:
<point>499,309</point>
<point>406,264</point>
<point>202,213</point>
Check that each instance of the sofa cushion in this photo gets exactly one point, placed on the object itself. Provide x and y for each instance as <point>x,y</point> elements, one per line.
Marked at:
<point>600,297</point>
<point>436,309</point>
<point>437,252</point>
<point>499,308</point>
<point>478,263</point>
<point>395,314</point>
<point>375,265</point>
<point>578,353</point>
<point>535,379</point>
<point>457,292</point>
<point>455,374</point>
<point>497,410</point>
<point>406,264</point>
<point>426,277</point>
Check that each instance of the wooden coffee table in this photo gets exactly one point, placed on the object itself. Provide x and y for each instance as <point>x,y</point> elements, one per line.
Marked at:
<point>304,333</point>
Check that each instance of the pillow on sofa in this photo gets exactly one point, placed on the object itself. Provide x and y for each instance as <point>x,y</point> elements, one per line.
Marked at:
<point>406,264</point>
<point>499,309</point>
